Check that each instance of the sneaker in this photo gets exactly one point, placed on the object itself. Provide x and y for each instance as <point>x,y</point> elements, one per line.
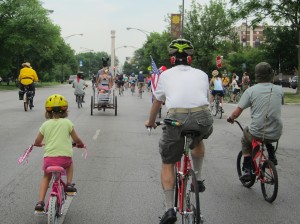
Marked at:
<point>39,207</point>
<point>201,186</point>
<point>169,217</point>
<point>70,188</point>
<point>246,175</point>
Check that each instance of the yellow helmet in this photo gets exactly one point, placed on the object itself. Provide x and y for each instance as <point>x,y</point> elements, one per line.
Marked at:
<point>56,103</point>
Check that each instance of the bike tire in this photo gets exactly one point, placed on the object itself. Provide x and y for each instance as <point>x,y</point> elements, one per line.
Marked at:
<point>78,100</point>
<point>215,108</point>
<point>116,106</point>
<point>92,105</point>
<point>269,180</point>
<point>191,200</point>
<point>53,210</point>
<point>239,165</point>
<point>220,109</point>
<point>159,113</point>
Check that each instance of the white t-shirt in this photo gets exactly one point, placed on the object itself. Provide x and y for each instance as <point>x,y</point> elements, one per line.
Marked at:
<point>183,87</point>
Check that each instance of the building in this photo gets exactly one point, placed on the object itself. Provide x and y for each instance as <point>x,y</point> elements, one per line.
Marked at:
<point>249,36</point>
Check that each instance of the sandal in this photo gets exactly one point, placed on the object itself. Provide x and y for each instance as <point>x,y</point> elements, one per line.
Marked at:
<point>39,206</point>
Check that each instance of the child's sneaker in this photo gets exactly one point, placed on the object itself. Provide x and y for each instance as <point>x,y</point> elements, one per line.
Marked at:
<point>71,190</point>
<point>39,207</point>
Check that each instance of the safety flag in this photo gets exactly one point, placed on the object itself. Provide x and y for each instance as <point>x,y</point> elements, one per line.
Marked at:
<point>155,73</point>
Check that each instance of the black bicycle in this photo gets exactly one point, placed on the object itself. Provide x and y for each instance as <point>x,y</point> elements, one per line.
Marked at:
<point>216,109</point>
<point>27,96</point>
<point>79,100</point>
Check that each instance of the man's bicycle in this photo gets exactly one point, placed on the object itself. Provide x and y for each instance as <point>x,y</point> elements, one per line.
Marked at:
<point>27,98</point>
<point>58,195</point>
<point>216,109</point>
<point>187,200</point>
<point>264,170</point>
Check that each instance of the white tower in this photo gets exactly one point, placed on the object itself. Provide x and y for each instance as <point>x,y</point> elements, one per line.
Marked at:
<point>112,67</point>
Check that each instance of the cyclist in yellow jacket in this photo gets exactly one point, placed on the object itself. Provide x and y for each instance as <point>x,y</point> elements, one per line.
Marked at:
<point>27,77</point>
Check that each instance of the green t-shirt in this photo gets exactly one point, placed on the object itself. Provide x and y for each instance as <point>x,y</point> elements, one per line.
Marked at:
<point>258,99</point>
<point>57,138</point>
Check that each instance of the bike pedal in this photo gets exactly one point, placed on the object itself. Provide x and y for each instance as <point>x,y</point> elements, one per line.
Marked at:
<point>71,194</point>
<point>39,213</point>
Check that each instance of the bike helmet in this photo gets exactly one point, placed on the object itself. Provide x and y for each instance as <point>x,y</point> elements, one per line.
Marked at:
<point>56,103</point>
<point>141,72</point>
<point>181,46</point>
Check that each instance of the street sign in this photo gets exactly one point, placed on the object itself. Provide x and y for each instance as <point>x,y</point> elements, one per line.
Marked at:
<point>219,61</point>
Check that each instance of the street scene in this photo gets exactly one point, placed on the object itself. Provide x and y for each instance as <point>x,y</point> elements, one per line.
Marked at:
<point>152,112</point>
<point>119,181</point>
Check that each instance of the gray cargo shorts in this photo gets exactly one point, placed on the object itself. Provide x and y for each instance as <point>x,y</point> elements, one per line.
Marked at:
<point>171,143</point>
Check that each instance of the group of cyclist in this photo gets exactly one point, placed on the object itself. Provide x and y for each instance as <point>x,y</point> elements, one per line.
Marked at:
<point>189,105</point>
<point>184,91</point>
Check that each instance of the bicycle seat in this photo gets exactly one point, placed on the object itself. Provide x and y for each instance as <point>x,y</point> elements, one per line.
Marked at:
<point>191,133</point>
<point>51,169</point>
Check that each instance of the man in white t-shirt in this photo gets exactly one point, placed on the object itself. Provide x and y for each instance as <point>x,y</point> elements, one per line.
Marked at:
<point>185,91</point>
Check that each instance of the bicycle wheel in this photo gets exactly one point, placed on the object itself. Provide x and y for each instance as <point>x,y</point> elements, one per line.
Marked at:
<point>52,210</point>
<point>239,166</point>
<point>215,108</point>
<point>191,204</point>
<point>269,181</point>
<point>220,112</point>
<point>116,106</point>
<point>25,102</point>
<point>92,105</point>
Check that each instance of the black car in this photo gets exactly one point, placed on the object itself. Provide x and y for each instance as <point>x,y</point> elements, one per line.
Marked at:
<point>294,82</point>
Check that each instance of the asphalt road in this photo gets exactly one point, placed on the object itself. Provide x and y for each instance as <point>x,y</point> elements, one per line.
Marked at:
<point>119,182</point>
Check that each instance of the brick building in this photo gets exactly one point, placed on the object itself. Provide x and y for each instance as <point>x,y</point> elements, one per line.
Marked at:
<point>249,36</point>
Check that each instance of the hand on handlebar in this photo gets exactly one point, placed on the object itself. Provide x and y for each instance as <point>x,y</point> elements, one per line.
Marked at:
<point>230,120</point>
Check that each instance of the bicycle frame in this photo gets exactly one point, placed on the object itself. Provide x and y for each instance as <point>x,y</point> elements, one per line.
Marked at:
<point>258,159</point>
<point>58,187</point>
<point>181,172</point>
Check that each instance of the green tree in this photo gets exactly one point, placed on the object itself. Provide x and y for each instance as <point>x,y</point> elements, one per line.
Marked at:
<point>209,27</point>
<point>279,11</point>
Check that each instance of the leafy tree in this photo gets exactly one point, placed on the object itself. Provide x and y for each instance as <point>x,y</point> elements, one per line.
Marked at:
<point>279,11</point>
<point>279,47</point>
<point>209,27</point>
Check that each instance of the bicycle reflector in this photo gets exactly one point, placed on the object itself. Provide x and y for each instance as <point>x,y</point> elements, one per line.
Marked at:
<point>172,122</point>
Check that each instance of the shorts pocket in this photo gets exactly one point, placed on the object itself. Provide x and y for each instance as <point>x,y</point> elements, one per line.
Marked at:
<point>204,119</point>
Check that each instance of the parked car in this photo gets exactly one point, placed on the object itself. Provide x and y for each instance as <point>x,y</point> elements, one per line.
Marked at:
<point>71,78</point>
<point>285,83</point>
<point>294,82</point>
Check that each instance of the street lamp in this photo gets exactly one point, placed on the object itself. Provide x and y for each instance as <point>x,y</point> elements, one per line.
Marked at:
<point>125,46</point>
<point>143,31</point>
<point>77,34</point>
<point>90,50</point>
<point>62,63</point>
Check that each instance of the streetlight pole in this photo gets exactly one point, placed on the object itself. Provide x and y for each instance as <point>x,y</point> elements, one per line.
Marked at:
<point>182,19</point>
<point>62,63</point>
<point>90,50</point>
<point>143,31</point>
<point>77,34</point>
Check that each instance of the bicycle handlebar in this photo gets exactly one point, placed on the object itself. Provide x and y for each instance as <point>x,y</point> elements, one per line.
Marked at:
<point>166,121</point>
<point>239,125</point>
<point>25,156</point>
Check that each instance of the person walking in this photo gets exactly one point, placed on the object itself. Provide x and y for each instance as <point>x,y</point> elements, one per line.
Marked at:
<point>185,91</point>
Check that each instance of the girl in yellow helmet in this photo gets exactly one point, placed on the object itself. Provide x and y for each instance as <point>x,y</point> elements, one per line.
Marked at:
<point>57,133</point>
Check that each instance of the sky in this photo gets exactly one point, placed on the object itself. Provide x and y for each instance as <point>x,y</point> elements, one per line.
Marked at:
<point>95,19</point>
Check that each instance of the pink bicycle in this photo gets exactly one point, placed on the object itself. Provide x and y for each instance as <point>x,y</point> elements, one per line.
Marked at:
<point>58,194</point>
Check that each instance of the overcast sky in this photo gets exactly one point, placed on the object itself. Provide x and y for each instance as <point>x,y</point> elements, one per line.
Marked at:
<point>96,18</point>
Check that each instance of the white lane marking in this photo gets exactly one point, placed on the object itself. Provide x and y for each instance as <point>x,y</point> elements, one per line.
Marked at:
<point>96,134</point>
